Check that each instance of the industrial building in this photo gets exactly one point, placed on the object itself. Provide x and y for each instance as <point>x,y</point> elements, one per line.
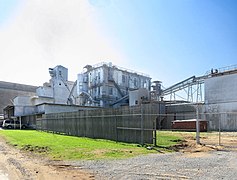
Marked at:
<point>107,85</point>
<point>218,106</point>
<point>102,85</point>
<point>58,90</point>
<point>57,95</point>
<point>8,91</point>
<point>221,99</point>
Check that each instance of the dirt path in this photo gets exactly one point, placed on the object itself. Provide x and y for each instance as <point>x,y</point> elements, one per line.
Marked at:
<point>15,164</point>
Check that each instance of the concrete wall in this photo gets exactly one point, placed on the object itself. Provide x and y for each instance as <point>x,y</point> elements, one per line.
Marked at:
<point>22,101</point>
<point>221,89</point>
<point>8,91</point>
<point>137,96</point>
<point>221,102</point>
<point>24,110</point>
<point>45,91</point>
<point>58,108</point>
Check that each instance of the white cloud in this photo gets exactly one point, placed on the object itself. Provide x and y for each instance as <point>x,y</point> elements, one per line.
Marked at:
<point>47,33</point>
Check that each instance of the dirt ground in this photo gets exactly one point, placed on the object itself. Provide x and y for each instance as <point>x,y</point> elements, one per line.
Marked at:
<point>18,164</point>
<point>209,142</point>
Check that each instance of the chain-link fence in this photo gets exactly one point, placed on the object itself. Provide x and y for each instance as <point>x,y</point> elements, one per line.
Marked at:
<point>212,128</point>
<point>222,128</point>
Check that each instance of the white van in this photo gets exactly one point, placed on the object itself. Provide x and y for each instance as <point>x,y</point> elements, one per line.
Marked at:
<point>11,124</point>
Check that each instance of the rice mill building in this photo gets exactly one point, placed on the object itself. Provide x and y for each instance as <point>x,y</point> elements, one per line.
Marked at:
<point>107,85</point>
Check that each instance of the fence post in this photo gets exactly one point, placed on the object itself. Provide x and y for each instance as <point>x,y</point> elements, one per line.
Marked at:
<point>197,126</point>
<point>92,125</point>
<point>155,126</point>
<point>155,134</point>
<point>116,130</point>
<point>220,129</point>
<point>142,125</point>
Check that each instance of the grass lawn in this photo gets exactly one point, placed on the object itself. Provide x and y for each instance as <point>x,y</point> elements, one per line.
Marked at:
<point>60,147</point>
<point>168,138</point>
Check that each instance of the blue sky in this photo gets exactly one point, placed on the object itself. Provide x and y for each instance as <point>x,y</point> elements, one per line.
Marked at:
<point>175,39</point>
<point>170,40</point>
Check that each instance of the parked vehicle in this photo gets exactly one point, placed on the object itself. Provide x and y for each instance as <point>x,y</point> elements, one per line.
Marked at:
<point>1,122</point>
<point>1,119</point>
<point>11,124</point>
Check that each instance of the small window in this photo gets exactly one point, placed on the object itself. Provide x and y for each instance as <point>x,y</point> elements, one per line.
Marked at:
<point>110,91</point>
<point>98,91</point>
<point>123,79</point>
<point>135,82</point>
<point>145,84</point>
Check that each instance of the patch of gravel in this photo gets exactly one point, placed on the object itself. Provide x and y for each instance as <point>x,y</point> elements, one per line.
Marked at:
<point>210,165</point>
<point>18,166</point>
<point>2,148</point>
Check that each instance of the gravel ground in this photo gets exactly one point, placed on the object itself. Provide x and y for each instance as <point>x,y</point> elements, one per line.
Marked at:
<point>208,165</point>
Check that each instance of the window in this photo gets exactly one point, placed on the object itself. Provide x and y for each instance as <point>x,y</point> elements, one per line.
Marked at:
<point>145,84</point>
<point>123,79</point>
<point>110,91</point>
<point>80,86</point>
<point>98,91</point>
<point>90,78</point>
<point>135,82</point>
<point>98,75</point>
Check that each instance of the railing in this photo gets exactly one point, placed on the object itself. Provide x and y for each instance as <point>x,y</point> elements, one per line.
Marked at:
<point>120,68</point>
<point>222,69</point>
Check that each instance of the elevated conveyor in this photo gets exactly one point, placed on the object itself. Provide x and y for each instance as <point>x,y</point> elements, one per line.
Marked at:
<point>188,84</point>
